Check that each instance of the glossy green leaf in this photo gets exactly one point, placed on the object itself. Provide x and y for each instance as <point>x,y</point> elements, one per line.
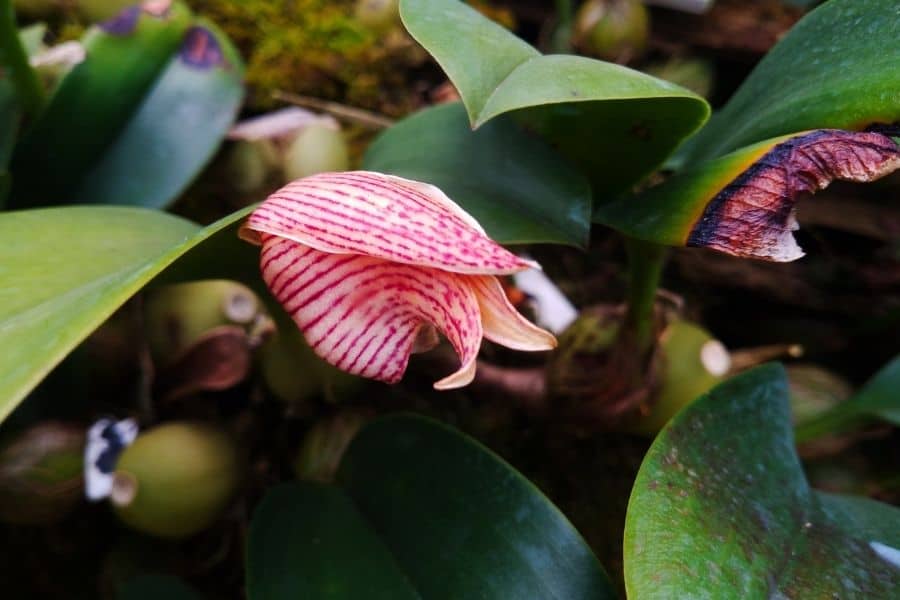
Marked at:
<point>721,509</point>
<point>156,587</point>
<point>94,100</point>
<point>616,124</point>
<point>63,271</point>
<point>176,128</point>
<point>878,399</point>
<point>456,521</point>
<point>308,540</point>
<point>518,188</point>
<point>836,68</point>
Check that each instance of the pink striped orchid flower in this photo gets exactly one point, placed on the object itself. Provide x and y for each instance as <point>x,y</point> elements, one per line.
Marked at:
<point>370,265</point>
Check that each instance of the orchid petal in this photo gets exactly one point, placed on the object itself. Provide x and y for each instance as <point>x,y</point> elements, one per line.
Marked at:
<point>362,314</point>
<point>502,323</point>
<point>381,216</point>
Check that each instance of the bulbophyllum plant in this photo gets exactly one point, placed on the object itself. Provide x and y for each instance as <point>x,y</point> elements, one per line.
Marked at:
<point>370,265</point>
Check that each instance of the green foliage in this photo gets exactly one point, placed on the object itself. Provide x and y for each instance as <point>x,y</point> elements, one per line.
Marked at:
<point>421,511</point>
<point>836,68</point>
<point>878,399</point>
<point>513,184</point>
<point>175,129</point>
<point>721,509</point>
<point>573,102</point>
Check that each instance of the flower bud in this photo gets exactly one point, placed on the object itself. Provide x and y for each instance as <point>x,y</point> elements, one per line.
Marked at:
<point>614,30</point>
<point>175,479</point>
<point>324,445</point>
<point>41,473</point>
<point>175,316</point>
<point>318,148</point>
<point>692,362</point>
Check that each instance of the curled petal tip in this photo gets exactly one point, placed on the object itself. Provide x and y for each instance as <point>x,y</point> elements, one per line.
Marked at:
<point>503,324</point>
<point>460,378</point>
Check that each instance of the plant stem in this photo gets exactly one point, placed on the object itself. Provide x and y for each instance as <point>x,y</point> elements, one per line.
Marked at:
<point>562,31</point>
<point>13,59</point>
<point>645,263</point>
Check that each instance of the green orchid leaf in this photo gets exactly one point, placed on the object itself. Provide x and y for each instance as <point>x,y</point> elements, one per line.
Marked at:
<point>175,130</point>
<point>878,399</point>
<point>420,511</point>
<point>836,68</point>
<point>63,271</point>
<point>743,203</point>
<point>154,587</point>
<point>308,540</point>
<point>721,509</point>
<point>616,124</point>
<point>89,107</point>
<point>517,187</point>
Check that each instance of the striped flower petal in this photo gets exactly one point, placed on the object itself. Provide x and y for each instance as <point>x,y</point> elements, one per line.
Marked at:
<point>363,314</point>
<point>381,216</point>
<point>502,323</point>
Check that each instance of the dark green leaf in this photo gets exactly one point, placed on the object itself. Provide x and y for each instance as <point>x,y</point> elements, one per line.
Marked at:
<point>836,68</point>
<point>176,129</point>
<point>494,534</point>
<point>511,182</point>
<point>618,125</point>
<point>721,509</point>
<point>308,540</point>
<point>426,512</point>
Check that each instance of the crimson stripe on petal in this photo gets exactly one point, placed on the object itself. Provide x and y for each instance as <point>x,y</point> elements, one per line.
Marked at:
<point>381,216</point>
<point>362,314</point>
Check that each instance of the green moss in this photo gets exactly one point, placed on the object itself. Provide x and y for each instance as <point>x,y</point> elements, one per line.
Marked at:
<point>316,48</point>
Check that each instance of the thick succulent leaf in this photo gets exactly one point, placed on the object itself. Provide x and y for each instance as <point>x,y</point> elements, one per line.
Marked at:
<point>456,521</point>
<point>63,271</point>
<point>618,124</point>
<point>175,130</point>
<point>721,509</point>
<point>836,68</point>
<point>382,216</point>
<point>308,540</point>
<point>94,100</point>
<point>744,203</point>
<point>878,399</point>
<point>516,186</point>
